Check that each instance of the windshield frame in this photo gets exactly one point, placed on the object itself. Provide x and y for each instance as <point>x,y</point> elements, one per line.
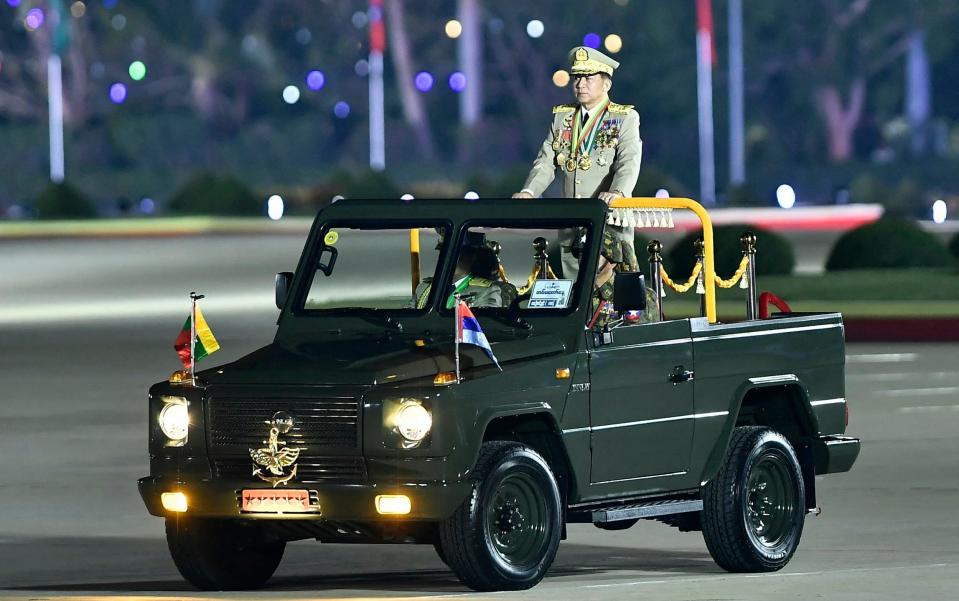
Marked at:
<point>299,304</point>
<point>521,223</point>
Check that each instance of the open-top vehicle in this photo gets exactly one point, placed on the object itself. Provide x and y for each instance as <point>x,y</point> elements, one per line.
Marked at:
<point>365,421</point>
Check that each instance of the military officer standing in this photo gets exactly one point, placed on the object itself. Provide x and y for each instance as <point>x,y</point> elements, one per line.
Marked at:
<point>595,145</point>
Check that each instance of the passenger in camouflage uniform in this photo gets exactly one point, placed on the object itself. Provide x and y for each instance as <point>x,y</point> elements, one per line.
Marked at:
<point>616,256</point>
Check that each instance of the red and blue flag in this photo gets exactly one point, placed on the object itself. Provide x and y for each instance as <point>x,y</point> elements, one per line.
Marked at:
<point>468,331</point>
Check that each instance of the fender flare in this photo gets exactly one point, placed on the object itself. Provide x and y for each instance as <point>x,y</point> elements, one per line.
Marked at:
<point>789,382</point>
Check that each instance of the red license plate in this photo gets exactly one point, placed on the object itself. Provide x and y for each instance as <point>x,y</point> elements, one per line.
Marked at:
<point>268,500</point>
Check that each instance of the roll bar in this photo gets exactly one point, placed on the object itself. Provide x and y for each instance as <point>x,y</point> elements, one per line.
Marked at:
<point>709,265</point>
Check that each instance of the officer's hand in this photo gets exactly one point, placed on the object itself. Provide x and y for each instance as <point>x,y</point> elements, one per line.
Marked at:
<point>523,194</point>
<point>610,196</point>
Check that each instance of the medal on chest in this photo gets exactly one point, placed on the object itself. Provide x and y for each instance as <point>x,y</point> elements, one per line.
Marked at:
<point>584,137</point>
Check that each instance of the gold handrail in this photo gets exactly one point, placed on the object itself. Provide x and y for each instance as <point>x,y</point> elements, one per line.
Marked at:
<point>700,211</point>
<point>415,257</point>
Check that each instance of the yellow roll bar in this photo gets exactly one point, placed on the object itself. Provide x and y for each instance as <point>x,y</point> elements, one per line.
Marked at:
<point>415,257</point>
<point>685,203</point>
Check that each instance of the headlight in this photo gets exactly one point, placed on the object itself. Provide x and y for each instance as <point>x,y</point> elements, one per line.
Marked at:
<point>413,422</point>
<point>174,419</point>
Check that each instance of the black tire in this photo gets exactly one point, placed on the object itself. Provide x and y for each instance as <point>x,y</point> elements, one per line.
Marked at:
<point>505,534</point>
<point>754,509</point>
<point>222,555</point>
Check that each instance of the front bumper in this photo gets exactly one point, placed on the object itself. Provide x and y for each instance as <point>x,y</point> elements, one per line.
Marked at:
<point>335,502</point>
<point>833,454</point>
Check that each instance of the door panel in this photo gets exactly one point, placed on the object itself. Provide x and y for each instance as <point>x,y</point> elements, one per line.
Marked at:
<point>641,422</point>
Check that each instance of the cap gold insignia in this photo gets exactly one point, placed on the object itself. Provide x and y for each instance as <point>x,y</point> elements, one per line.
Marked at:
<point>581,54</point>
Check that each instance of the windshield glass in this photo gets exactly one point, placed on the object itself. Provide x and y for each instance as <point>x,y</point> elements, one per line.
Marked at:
<point>528,268</point>
<point>359,267</point>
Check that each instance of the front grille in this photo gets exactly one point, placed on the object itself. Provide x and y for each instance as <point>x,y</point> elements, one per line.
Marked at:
<point>327,430</point>
<point>309,470</point>
<point>239,423</point>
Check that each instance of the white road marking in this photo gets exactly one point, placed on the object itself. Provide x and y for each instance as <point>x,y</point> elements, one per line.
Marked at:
<point>929,409</point>
<point>771,575</point>
<point>897,376</point>
<point>133,308</point>
<point>920,391</point>
<point>882,358</point>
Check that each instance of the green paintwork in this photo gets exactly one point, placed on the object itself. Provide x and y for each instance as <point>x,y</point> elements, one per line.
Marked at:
<point>623,424</point>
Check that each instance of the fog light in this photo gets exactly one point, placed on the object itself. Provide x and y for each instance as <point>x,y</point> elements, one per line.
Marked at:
<point>174,501</point>
<point>391,504</point>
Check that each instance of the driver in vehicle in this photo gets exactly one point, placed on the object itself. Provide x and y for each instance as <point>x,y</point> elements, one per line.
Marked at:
<point>475,279</point>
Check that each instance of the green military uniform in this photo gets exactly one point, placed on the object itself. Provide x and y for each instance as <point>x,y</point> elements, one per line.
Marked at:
<point>478,293</point>
<point>623,258</point>
<point>608,159</point>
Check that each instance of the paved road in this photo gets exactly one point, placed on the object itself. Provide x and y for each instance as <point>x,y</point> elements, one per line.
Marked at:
<point>102,316</point>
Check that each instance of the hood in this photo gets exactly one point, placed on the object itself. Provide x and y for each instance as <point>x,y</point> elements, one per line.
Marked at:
<point>368,361</point>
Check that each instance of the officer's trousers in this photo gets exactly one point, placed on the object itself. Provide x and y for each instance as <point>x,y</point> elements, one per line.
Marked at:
<point>572,237</point>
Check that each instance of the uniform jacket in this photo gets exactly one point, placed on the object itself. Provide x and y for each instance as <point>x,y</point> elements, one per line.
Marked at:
<point>615,156</point>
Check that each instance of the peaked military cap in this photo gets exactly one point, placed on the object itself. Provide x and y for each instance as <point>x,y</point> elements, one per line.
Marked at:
<point>586,61</point>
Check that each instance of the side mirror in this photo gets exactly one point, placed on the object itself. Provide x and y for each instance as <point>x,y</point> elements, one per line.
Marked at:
<point>629,292</point>
<point>282,287</point>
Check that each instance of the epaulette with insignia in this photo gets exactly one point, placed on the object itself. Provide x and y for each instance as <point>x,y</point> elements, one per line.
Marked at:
<point>619,109</point>
<point>564,108</point>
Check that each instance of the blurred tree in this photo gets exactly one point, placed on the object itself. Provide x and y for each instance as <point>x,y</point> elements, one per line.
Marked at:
<point>413,109</point>
<point>831,54</point>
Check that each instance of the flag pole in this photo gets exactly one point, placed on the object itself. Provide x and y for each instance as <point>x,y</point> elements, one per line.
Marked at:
<point>456,336</point>
<point>193,298</point>
<point>376,95</point>
<point>193,338</point>
<point>704,84</point>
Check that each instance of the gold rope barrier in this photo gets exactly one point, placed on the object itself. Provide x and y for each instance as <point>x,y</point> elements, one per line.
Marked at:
<point>502,274</point>
<point>680,288</point>
<point>550,275</point>
<point>530,281</point>
<point>735,277</point>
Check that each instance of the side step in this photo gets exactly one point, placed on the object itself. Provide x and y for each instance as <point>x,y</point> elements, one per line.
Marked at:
<point>649,509</point>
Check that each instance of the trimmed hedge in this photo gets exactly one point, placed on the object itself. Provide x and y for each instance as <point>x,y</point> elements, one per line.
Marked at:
<point>364,183</point>
<point>212,194</point>
<point>954,246</point>
<point>774,254</point>
<point>889,243</point>
<point>63,201</point>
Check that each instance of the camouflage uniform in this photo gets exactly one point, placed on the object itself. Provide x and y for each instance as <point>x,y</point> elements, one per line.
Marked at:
<point>481,293</point>
<point>623,257</point>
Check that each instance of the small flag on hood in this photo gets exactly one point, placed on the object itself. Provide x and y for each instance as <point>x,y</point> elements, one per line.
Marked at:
<point>204,344</point>
<point>468,331</point>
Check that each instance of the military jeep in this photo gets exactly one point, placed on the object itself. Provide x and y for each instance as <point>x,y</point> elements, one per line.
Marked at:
<point>365,422</point>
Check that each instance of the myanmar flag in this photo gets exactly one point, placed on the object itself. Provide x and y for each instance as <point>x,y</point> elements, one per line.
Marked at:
<point>204,345</point>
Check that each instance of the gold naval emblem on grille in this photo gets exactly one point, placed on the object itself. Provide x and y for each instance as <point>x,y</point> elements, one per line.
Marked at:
<point>273,459</point>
